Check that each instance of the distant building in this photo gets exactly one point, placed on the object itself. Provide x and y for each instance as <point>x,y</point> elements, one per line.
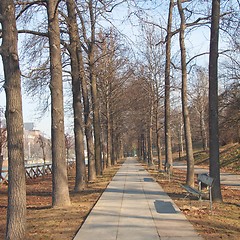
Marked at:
<point>33,148</point>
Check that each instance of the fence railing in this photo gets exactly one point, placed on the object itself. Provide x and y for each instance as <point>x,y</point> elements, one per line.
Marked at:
<point>30,171</point>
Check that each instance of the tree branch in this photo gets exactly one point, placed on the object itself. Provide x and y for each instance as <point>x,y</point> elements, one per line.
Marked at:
<point>111,9</point>
<point>198,55</point>
<point>174,66</point>
<point>84,32</point>
<point>42,34</point>
<point>28,5</point>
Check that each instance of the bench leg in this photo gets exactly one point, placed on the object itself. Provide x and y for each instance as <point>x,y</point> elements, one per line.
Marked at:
<point>210,198</point>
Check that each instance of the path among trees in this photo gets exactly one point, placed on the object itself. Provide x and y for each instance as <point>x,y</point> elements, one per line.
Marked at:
<point>134,206</point>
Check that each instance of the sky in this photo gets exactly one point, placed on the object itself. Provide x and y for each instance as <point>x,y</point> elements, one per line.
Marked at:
<point>29,112</point>
<point>199,39</point>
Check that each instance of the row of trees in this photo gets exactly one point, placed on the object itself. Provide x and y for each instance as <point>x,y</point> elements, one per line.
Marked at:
<point>184,17</point>
<point>119,105</point>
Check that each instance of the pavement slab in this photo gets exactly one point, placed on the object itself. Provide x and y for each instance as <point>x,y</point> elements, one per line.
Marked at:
<point>135,207</point>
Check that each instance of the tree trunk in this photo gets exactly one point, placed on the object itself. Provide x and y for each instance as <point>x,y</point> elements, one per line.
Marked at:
<point>121,155</point>
<point>60,192</point>
<point>87,121</point>
<point>96,121</point>
<point>150,154</point>
<point>113,145</point>
<point>109,135</point>
<point>203,129</point>
<point>145,153</point>
<point>142,146</point>
<point>94,91</point>
<point>167,126</point>
<point>16,211</point>
<point>214,168</point>
<point>104,149</point>
<point>158,144</point>
<point>186,119</point>
<point>80,181</point>
<point>87,114</point>
<point>150,127</point>
<point>119,148</point>
<point>96,124</point>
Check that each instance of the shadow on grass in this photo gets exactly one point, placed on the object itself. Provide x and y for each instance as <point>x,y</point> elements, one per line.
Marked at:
<point>39,194</point>
<point>39,207</point>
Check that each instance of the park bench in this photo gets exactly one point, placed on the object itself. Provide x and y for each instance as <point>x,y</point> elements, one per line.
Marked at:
<point>203,180</point>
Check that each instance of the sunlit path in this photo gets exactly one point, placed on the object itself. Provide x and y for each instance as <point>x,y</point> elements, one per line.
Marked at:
<point>134,206</point>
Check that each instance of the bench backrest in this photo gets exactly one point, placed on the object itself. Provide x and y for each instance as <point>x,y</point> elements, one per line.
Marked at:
<point>204,178</point>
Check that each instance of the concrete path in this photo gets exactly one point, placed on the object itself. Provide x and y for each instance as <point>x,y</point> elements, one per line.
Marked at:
<point>227,179</point>
<point>135,207</point>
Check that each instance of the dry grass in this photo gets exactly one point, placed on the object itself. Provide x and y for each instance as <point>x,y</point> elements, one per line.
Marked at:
<point>45,222</point>
<point>222,223</point>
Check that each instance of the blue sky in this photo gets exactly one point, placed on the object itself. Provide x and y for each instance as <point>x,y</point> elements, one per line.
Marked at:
<point>199,43</point>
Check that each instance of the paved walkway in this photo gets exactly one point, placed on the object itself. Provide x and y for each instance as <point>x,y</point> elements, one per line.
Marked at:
<point>135,207</point>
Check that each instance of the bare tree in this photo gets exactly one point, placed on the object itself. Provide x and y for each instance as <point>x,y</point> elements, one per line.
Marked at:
<point>16,213</point>
<point>113,72</point>
<point>86,99</point>
<point>69,143</point>
<point>214,167</point>
<point>168,146</point>
<point>154,65</point>
<point>42,143</point>
<point>60,193</point>
<point>106,77</point>
<point>185,111</point>
<point>94,89</point>
<point>199,105</point>
<point>229,118</point>
<point>76,90</point>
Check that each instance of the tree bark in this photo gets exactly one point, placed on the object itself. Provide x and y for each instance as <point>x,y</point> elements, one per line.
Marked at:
<point>109,135</point>
<point>214,167</point>
<point>186,119</point>
<point>168,145</point>
<point>87,120</point>
<point>203,129</point>
<point>142,147</point>
<point>113,144</point>
<point>157,125</point>
<point>87,110</point>
<point>159,155</point>
<point>16,211</point>
<point>121,150</point>
<point>94,91</point>
<point>80,181</point>
<point>145,152</point>
<point>150,126</point>
<point>60,192</point>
